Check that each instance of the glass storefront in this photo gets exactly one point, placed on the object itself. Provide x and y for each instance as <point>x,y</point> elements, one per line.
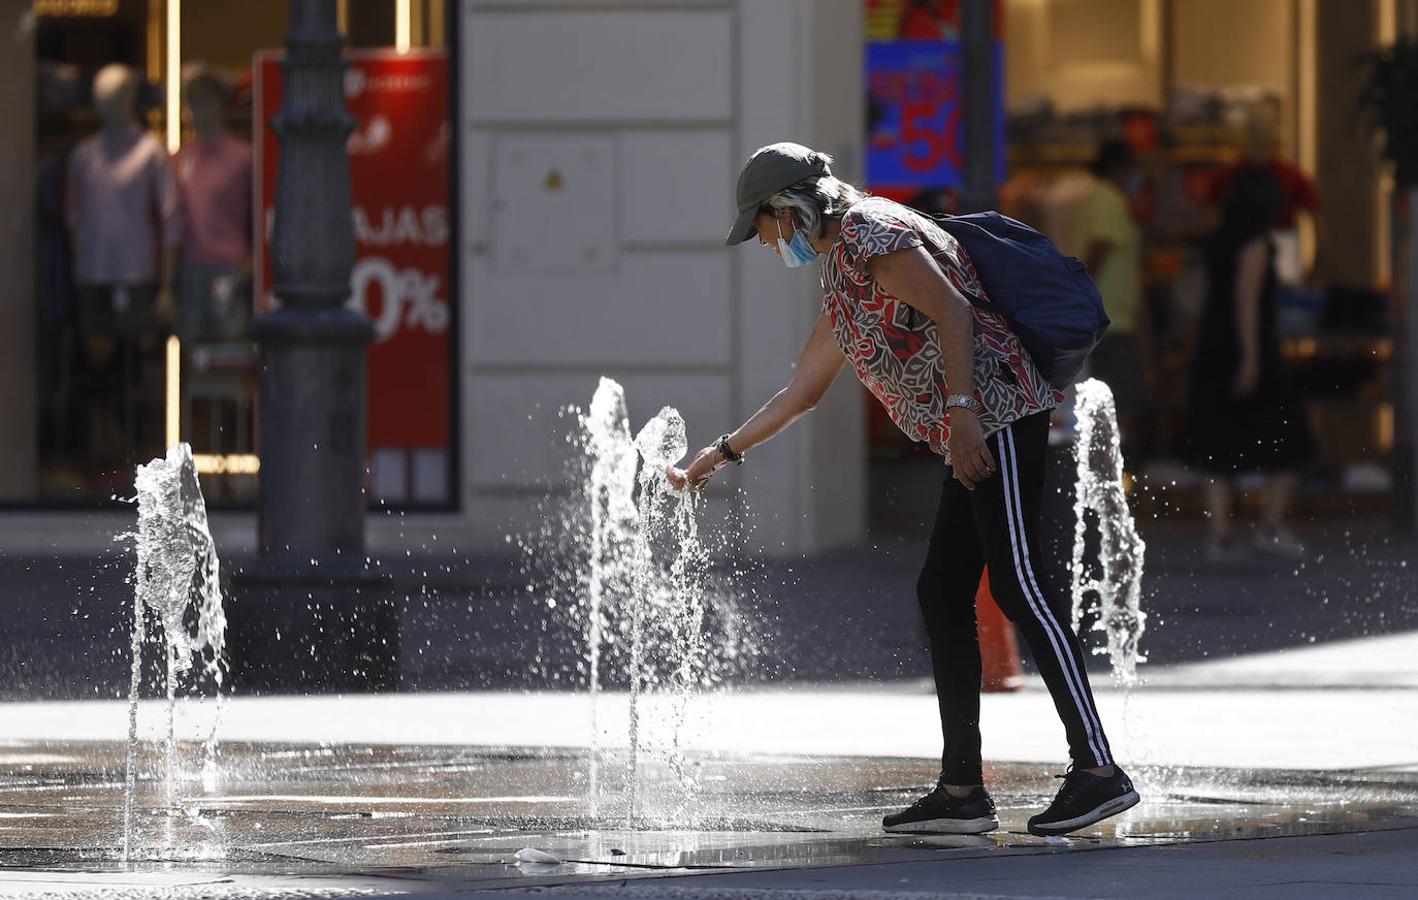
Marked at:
<point>1194,91</point>
<point>154,181</point>
<point>141,317</point>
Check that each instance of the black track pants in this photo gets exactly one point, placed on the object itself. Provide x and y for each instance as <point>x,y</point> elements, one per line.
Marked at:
<point>997,524</point>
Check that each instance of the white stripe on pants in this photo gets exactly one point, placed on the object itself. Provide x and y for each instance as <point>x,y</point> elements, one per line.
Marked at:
<point>1028,584</point>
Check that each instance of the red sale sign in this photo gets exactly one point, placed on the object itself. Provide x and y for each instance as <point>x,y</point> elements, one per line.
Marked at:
<point>399,175</point>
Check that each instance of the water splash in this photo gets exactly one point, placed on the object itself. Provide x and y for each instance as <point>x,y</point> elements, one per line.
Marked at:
<point>687,591</point>
<point>660,443</point>
<point>656,605</point>
<point>609,491</point>
<point>1113,589</point>
<point>178,583</point>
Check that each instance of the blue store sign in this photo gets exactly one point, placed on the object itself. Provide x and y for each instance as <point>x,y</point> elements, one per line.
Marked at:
<point>915,114</point>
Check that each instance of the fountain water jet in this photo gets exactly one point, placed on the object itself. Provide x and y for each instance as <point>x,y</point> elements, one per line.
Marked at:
<point>1116,588</point>
<point>609,496</point>
<point>687,572</point>
<point>646,602</point>
<point>178,576</point>
<point>660,443</point>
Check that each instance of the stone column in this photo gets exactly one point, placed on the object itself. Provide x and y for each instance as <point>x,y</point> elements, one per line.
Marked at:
<point>1346,168</point>
<point>311,613</point>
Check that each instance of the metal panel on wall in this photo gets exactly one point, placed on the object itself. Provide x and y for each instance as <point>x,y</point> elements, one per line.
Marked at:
<point>554,205</point>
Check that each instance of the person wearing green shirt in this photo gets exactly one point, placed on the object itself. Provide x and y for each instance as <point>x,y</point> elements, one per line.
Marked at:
<point>1107,238</point>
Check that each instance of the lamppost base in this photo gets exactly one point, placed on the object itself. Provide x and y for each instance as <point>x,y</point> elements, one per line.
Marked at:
<point>309,629</point>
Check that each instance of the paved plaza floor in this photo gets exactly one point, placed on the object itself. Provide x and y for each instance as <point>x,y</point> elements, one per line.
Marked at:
<point>1275,740</point>
<point>774,793</point>
<point>345,820</point>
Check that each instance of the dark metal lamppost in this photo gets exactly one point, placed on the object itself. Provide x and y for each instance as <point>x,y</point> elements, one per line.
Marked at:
<point>978,96</point>
<point>310,613</point>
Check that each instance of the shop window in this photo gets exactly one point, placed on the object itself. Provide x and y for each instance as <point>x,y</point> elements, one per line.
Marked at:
<point>148,270</point>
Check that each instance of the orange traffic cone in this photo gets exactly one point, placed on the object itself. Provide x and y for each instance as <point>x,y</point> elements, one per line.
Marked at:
<point>999,652</point>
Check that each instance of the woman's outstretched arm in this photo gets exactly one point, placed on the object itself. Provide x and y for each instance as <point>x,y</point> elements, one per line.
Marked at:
<point>817,368</point>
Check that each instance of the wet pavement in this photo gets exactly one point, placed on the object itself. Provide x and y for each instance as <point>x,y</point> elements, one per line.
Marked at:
<point>426,793</point>
<point>347,820</point>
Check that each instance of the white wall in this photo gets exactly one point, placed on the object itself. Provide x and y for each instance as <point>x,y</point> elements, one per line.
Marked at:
<point>601,142</point>
<point>1224,43</point>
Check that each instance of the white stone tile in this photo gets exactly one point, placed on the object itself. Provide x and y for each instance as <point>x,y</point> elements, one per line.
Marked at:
<point>677,186</point>
<point>668,309</point>
<point>517,439</point>
<point>543,66</point>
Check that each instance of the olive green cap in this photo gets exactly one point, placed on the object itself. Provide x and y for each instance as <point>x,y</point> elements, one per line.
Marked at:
<point>769,170</point>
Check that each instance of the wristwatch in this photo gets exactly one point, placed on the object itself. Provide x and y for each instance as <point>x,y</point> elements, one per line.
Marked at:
<point>722,445</point>
<point>965,401</point>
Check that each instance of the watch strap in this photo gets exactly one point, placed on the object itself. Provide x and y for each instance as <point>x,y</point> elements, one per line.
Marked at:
<point>722,445</point>
<point>965,401</point>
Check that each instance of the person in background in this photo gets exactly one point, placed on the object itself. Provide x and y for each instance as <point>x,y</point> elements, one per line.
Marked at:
<point>1298,195</point>
<point>121,208</point>
<point>1106,237</point>
<point>1245,414</point>
<point>214,179</point>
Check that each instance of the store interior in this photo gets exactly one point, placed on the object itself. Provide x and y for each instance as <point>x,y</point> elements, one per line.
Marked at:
<point>1182,81</point>
<point>1192,87</point>
<point>103,403</point>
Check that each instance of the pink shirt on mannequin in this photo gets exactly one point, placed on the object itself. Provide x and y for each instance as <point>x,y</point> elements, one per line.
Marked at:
<point>215,182</point>
<point>121,201</point>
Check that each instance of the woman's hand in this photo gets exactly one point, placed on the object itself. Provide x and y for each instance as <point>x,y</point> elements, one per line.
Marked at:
<point>1248,377</point>
<point>970,459</point>
<point>696,476</point>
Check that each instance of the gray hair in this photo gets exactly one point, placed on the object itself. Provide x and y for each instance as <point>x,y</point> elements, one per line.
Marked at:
<point>815,200</point>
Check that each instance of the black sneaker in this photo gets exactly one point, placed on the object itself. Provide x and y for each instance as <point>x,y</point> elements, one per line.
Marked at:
<point>1083,800</point>
<point>940,813</point>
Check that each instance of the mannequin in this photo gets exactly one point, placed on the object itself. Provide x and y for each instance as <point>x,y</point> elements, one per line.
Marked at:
<point>121,208</point>
<point>1261,149</point>
<point>214,181</point>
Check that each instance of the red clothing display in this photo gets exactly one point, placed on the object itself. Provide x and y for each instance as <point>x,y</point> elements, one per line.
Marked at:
<point>215,182</point>
<point>1297,189</point>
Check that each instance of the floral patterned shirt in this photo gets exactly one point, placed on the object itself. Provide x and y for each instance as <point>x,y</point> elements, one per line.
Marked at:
<point>895,348</point>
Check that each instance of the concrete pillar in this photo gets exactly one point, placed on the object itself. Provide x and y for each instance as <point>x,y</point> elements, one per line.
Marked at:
<point>18,403</point>
<point>1407,19</point>
<point>1347,169</point>
<point>801,80</point>
<point>838,493</point>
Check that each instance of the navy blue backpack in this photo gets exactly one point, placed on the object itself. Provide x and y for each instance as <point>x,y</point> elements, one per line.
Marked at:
<point>1049,299</point>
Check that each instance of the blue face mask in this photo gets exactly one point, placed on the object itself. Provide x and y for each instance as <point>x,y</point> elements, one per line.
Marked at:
<point>797,252</point>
